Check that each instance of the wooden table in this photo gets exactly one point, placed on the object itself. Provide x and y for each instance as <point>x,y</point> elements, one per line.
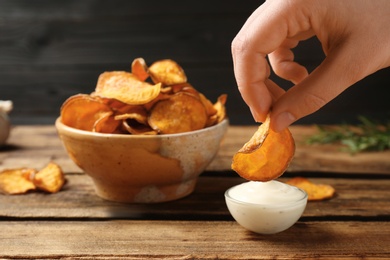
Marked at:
<point>77,224</point>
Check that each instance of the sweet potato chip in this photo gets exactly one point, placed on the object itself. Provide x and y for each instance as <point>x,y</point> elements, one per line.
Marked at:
<point>140,69</point>
<point>266,155</point>
<point>135,121</point>
<point>220,107</point>
<point>314,191</point>
<point>17,181</point>
<point>189,89</point>
<point>21,180</point>
<point>210,109</point>
<point>134,127</point>
<point>50,179</point>
<point>116,105</point>
<point>106,124</point>
<point>180,113</point>
<point>220,111</point>
<point>178,87</point>
<point>82,111</point>
<point>167,72</point>
<point>138,113</point>
<point>126,87</point>
<point>166,90</point>
<point>162,96</point>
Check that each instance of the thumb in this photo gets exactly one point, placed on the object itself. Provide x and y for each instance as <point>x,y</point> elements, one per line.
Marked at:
<point>337,72</point>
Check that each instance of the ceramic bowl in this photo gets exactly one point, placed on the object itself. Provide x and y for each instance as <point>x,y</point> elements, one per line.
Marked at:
<point>265,217</point>
<point>5,124</point>
<point>142,168</point>
<point>5,127</point>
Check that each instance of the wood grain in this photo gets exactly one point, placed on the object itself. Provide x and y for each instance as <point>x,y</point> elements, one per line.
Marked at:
<point>34,146</point>
<point>191,240</point>
<point>308,158</point>
<point>354,199</point>
<point>76,224</point>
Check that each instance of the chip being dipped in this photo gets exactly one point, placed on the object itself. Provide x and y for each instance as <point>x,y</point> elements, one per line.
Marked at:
<point>266,155</point>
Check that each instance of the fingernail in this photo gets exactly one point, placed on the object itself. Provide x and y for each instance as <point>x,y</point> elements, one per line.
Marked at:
<point>282,121</point>
<point>257,116</point>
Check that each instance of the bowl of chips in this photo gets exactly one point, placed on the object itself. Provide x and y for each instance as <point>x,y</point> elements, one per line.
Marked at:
<point>140,141</point>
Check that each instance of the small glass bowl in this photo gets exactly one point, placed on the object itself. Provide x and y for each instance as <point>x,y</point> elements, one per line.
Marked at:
<point>267,218</point>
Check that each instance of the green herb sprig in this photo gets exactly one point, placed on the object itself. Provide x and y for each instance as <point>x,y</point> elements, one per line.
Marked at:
<point>366,136</point>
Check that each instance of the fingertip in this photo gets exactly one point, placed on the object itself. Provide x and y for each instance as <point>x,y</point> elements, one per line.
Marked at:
<point>258,116</point>
<point>281,121</point>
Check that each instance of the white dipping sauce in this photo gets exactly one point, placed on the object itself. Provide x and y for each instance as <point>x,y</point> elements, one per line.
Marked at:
<point>271,192</point>
<point>266,207</point>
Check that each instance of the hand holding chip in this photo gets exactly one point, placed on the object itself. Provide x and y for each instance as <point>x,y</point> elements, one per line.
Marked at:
<point>353,36</point>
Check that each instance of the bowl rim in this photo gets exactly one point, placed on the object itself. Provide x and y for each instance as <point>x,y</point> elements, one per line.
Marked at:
<point>60,125</point>
<point>278,205</point>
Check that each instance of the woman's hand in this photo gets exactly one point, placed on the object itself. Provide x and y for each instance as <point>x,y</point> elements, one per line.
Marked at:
<point>355,37</point>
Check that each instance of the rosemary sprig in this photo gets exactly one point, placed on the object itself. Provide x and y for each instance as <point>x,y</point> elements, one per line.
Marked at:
<point>366,136</point>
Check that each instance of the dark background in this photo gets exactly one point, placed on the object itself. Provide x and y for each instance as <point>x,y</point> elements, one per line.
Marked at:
<point>50,50</point>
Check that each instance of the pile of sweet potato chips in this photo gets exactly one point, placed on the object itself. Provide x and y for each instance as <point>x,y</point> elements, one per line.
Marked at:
<point>126,103</point>
<point>21,180</point>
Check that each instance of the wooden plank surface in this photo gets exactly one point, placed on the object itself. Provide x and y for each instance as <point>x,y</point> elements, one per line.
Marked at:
<point>191,240</point>
<point>331,158</point>
<point>35,146</point>
<point>356,198</point>
<point>76,224</point>
<point>311,158</point>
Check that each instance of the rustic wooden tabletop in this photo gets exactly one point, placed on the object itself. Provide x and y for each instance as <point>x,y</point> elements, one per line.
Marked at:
<point>74,223</point>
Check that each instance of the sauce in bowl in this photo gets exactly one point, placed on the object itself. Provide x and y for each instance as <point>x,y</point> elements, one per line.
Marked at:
<point>266,207</point>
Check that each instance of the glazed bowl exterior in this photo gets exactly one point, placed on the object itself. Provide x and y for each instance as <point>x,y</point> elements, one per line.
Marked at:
<point>5,127</point>
<point>266,218</point>
<point>142,168</point>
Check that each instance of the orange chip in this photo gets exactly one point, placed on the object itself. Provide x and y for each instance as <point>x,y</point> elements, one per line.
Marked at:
<point>167,72</point>
<point>135,121</point>
<point>114,104</point>
<point>134,127</point>
<point>266,155</point>
<point>210,109</point>
<point>182,112</point>
<point>162,96</point>
<point>139,69</point>
<point>186,88</point>
<point>220,107</point>
<point>50,179</point>
<point>314,191</point>
<point>179,87</point>
<point>106,124</point>
<point>218,111</point>
<point>166,90</point>
<point>17,181</point>
<point>126,87</point>
<point>82,111</point>
<point>136,113</point>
